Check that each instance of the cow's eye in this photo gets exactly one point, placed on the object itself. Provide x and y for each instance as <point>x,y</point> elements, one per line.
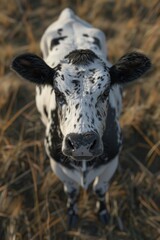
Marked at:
<point>104,95</point>
<point>60,97</point>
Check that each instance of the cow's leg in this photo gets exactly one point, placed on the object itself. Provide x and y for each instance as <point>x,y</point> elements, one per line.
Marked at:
<point>71,188</point>
<point>100,188</point>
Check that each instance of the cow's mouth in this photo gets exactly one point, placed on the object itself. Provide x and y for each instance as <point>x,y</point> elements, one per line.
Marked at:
<point>82,158</point>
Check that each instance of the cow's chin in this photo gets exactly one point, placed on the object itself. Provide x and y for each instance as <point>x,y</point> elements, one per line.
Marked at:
<point>82,158</point>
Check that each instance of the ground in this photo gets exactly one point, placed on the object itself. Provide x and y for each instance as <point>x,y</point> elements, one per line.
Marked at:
<point>32,202</point>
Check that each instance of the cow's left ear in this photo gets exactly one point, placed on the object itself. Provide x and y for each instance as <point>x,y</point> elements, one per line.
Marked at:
<point>129,67</point>
<point>33,68</point>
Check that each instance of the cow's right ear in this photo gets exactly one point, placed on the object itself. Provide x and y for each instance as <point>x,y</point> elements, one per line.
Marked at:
<point>33,68</point>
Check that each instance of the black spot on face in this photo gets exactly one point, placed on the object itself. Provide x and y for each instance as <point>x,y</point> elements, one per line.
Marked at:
<point>67,92</point>
<point>93,70</point>
<point>100,78</point>
<point>58,67</point>
<point>91,79</point>
<point>79,117</point>
<point>99,85</point>
<point>60,31</point>
<point>87,117</point>
<point>85,35</point>
<point>77,105</point>
<point>97,42</point>
<point>56,41</point>
<point>76,82</point>
<point>62,77</point>
<point>99,115</point>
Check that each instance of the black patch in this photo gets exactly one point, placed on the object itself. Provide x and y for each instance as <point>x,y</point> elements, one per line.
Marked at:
<point>79,74</point>
<point>83,56</point>
<point>98,113</point>
<point>85,35</point>
<point>99,85</point>
<point>58,67</point>
<point>101,78</point>
<point>92,121</point>
<point>106,69</point>
<point>62,77</point>
<point>79,117</point>
<point>77,105</point>
<point>56,41</point>
<point>45,111</point>
<point>59,31</point>
<point>87,117</point>
<point>93,70</point>
<point>91,79</point>
<point>76,82</point>
<point>67,92</point>
<point>97,42</point>
<point>110,139</point>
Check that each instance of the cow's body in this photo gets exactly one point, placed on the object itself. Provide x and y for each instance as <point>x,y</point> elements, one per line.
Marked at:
<point>77,34</point>
<point>79,98</point>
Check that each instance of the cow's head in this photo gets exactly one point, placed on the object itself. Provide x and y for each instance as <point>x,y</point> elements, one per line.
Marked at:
<point>81,83</point>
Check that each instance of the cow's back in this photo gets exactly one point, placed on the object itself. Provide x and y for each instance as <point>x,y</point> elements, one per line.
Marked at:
<point>68,33</point>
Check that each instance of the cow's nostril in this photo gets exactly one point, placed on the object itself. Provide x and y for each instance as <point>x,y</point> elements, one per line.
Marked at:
<point>82,145</point>
<point>69,144</point>
<point>93,145</point>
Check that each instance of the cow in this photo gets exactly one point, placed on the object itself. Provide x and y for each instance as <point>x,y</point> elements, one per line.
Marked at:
<point>79,98</point>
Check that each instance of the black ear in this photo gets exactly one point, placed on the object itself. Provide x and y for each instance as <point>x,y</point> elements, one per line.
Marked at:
<point>33,68</point>
<point>129,67</point>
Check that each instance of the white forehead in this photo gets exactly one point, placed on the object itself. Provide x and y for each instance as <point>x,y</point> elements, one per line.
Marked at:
<point>82,79</point>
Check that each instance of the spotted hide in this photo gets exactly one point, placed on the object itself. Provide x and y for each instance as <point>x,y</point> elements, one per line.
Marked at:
<point>78,94</point>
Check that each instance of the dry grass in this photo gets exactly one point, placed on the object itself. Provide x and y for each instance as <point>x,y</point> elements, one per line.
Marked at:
<point>32,202</point>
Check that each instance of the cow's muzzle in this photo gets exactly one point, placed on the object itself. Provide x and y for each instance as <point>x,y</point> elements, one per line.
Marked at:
<point>84,146</point>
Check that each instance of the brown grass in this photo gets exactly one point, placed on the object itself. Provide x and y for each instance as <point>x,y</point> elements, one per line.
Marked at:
<point>32,202</point>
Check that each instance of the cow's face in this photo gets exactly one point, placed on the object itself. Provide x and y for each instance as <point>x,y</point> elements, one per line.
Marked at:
<point>82,83</point>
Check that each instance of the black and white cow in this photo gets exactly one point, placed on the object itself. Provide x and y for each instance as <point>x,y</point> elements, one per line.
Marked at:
<point>78,94</point>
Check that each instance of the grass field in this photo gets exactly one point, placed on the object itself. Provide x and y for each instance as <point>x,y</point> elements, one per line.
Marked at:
<point>32,202</point>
